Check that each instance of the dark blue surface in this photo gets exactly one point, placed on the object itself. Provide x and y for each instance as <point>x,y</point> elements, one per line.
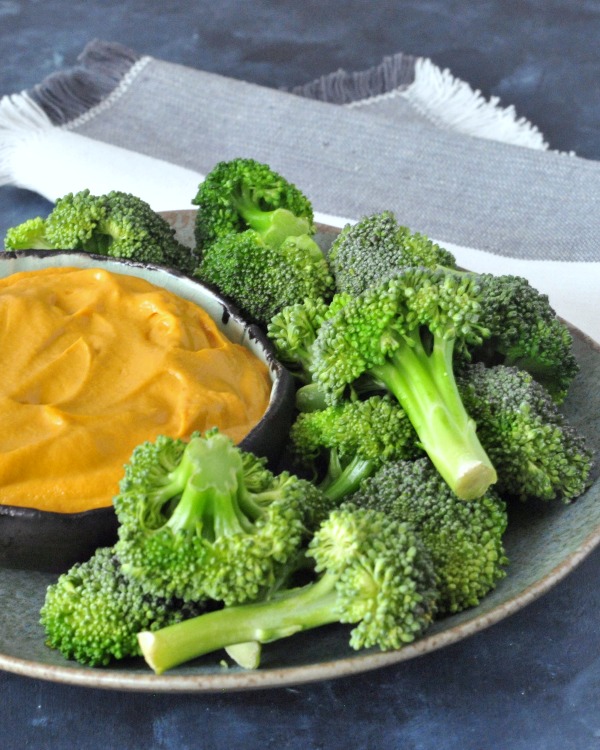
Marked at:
<point>531,682</point>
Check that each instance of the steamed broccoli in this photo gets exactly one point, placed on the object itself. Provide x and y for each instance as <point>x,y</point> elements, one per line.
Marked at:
<point>373,573</point>
<point>403,334</point>
<point>293,331</point>
<point>369,252</point>
<point>525,333</point>
<point>117,224</point>
<point>354,438</point>
<point>537,454</point>
<point>464,539</point>
<point>205,519</point>
<point>245,194</point>
<point>30,235</point>
<point>93,612</point>
<point>262,279</point>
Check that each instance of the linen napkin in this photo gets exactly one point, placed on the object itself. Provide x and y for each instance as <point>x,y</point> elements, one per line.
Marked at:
<point>403,136</point>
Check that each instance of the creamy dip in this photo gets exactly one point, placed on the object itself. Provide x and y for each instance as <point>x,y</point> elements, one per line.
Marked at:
<point>93,363</point>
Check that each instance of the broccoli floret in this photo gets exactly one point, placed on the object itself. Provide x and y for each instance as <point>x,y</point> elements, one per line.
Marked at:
<point>245,194</point>
<point>373,573</point>
<point>30,235</point>
<point>93,612</point>
<point>465,540</point>
<point>536,452</point>
<point>208,520</point>
<point>262,279</point>
<point>353,438</point>
<point>117,224</point>
<point>293,332</point>
<point>525,333</point>
<point>369,252</point>
<point>403,334</point>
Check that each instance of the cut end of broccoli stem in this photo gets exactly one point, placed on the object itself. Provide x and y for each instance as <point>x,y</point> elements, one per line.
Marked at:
<point>147,644</point>
<point>474,480</point>
<point>246,655</point>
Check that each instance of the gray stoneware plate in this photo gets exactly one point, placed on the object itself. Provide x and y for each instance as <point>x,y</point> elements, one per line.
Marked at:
<point>543,544</point>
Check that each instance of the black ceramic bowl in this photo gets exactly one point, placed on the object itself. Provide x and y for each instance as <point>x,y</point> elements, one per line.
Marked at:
<point>41,540</point>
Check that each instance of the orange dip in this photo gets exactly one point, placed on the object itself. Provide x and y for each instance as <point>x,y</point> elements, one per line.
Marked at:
<point>93,363</point>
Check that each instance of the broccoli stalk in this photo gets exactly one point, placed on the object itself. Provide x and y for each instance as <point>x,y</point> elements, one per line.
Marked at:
<point>218,525</point>
<point>403,334</point>
<point>373,573</point>
<point>424,383</point>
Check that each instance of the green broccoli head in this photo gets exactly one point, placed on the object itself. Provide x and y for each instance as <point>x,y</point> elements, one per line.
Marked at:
<point>215,523</point>
<point>93,612</point>
<point>369,252</point>
<point>30,235</point>
<point>372,572</point>
<point>262,279</point>
<point>382,575</point>
<point>353,439</point>
<point>294,328</point>
<point>117,224</point>
<point>536,452</point>
<point>465,540</point>
<point>403,334</point>
<point>75,223</point>
<point>525,333</point>
<point>245,194</point>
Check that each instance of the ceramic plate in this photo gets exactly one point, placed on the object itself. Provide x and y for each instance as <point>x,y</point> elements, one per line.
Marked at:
<point>543,544</point>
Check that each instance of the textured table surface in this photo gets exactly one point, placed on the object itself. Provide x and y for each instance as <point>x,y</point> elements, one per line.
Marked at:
<point>531,682</point>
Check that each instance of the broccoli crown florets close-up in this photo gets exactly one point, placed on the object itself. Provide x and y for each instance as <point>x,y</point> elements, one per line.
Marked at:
<point>465,539</point>
<point>373,573</point>
<point>352,439</point>
<point>535,450</point>
<point>245,194</point>
<point>218,524</point>
<point>525,332</point>
<point>93,612</point>
<point>369,252</point>
<point>117,224</point>
<point>294,328</point>
<point>403,334</point>
<point>262,279</point>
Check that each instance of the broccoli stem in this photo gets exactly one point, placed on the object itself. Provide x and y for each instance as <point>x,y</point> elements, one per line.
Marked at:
<point>287,613</point>
<point>342,481</point>
<point>274,226</point>
<point>209,499</point>
<point>425,386</point>
<point>310,397</point>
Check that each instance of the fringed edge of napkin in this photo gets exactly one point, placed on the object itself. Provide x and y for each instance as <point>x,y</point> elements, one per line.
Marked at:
<point>105,70</point>
<point>437,95</point>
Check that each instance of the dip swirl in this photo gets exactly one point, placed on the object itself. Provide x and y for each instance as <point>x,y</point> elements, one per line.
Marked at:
<point>92,364</point>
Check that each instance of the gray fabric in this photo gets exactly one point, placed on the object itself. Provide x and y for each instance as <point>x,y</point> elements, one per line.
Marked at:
<point>509,200</point>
